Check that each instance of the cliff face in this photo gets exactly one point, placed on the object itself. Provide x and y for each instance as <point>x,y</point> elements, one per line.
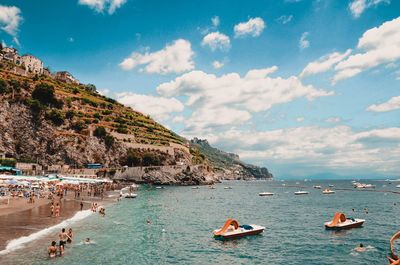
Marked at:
<point>229,165</point>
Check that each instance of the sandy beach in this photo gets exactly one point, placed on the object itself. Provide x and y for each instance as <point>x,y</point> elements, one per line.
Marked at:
<point>20,218</point>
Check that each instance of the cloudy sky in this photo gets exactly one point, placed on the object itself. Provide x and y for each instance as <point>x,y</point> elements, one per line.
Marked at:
<point>304,87</point>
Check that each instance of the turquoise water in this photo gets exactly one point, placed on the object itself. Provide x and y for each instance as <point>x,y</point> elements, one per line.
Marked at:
<point>182,220</point>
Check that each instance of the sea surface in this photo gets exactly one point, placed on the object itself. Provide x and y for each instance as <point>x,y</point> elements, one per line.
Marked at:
<point>182,220</point>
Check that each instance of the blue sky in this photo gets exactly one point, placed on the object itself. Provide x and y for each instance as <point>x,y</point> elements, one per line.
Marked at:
<point>303,87</point>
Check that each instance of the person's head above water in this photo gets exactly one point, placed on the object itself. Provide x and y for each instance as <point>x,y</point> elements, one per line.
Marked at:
<point>87,239</point>
<point>53,243</point>
<point>361,245</point>
<point>63,230</point>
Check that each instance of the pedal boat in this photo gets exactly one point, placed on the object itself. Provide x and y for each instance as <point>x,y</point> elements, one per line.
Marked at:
<point>328,191</point>
<point>265,194</point>
<point>232,230</point>
<point>340,222</point>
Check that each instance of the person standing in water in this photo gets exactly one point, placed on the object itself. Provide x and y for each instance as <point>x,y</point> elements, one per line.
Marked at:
<point>70,235</point>
<point>52,250</point>
<point>63,240</point>
<point>81,204</point>
<point>52,209</point>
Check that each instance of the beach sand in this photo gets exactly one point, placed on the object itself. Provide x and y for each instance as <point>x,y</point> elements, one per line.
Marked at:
<point>20,218</point>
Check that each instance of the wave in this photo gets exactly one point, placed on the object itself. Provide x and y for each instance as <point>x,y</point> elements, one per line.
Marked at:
<point>19,243</point>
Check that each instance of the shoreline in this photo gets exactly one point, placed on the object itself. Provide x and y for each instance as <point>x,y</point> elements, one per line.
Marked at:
<point>19,226</point>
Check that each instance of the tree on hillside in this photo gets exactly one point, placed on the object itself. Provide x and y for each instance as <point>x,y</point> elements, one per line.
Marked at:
<point>3,86</point>
<point>45,93</point>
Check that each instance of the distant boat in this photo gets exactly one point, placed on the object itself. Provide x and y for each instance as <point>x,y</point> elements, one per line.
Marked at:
<point>340,221</point>
<point>227,188</point>
<point>265,194</point>
<point>300,192</point>
<point>328,191</point>
<point>317,187</point>
<point>159,187</point>
<point>130,195</point>
<point>363,185</point>
<point>297,183</point>
<point>195,188</point>
<point>398,186</point>
<point>330,185</point>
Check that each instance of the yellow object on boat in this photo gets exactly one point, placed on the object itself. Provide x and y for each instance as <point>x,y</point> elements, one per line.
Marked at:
<point>337,218</point>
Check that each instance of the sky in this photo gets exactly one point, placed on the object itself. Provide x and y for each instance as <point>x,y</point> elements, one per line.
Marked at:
<point>303,87</point>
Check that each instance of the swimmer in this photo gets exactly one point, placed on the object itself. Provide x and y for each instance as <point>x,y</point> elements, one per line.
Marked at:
<point>360,248</point>
<point>87,241</point>
<point>52,250</point>
<point>148,222</point>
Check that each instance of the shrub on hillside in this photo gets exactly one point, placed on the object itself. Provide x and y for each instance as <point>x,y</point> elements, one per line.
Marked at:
<point>109,141</point>
<point>55,116</point>
<point>46,95</point>
<point>3,86</point>
<point>100,132</point>
<point>70,114</point>
<point>78,126</point>
<point>8,162</point>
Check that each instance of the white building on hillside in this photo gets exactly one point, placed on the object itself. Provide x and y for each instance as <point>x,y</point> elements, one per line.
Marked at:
<point>66,77</point>
<point>32,64</point>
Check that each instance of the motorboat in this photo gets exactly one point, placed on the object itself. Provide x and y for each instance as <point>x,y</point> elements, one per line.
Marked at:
<point>331,185</point>
<point>301,192</point>
<point>317,187</point>
<point>328,191</point>
<point>159,187</point>
<point>195,188</point>
<point>265,194</point>
<point>340,221</point>
<point>227,188</point>
<point>130,195</point>
<point>232,230</point>
<point>363,186</point>
<point>398,186</point>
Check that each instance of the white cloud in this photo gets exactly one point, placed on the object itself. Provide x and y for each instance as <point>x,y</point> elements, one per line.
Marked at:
<point>324,63</point>
<point>217,64</point>
<point>357,7</point>
<point>10,20</point>
<point>391,104</point>
<point>103,5</point>
<point>303,42</point>
<point>216,40</point>
<point>336,148</point>
<point>104,91</point>
<point>215,21</point>
<point>176,57</point>
<point>157,107</point>
<point>253,27</point>
<point>178,119</point>
<point>333,120</point>
<point>234,95</point>
<point>284,19</point>
<point>381,45</point>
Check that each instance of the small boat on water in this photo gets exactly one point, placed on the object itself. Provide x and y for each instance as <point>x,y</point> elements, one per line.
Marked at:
<point>130,195</point>
<point>328,191</point>
<point>195,188</point>
<point>232,230</point>
<point>363,186</point>
<point>340,221</point>
<point>265,194</point>
<point>227,188</point>
<point>331,185</point>
<point>398,186</point>
<point>317,187</point>
<point>159,187</point>
<point>395,259</point>
<point>301,192</point>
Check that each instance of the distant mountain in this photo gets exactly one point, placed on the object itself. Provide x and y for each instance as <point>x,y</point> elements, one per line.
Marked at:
<point>229,163</point>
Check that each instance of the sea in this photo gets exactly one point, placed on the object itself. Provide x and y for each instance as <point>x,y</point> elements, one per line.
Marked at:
<point>174,225</point>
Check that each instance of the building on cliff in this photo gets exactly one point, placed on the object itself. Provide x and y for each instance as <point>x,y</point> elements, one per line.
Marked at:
<point>32,64</point>
<point>66,77</point>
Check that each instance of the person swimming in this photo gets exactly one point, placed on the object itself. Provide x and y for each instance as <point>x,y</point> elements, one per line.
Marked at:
<point>360,248</point>
<point>87,241</point>
<point>52,250</point>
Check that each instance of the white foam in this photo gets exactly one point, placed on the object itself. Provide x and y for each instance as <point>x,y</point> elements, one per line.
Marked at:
<point>19,243</point>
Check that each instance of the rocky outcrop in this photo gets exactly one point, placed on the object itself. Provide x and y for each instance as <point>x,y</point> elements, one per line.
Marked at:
<point>168,175</point>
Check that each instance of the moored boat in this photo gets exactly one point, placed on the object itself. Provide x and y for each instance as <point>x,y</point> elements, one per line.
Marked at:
<point>301,192</point>
<point>227,188</point>
<point>317,187</point>
<point>130,195</point>
<point>265,194</point>
<point>340,221</point>
<point>232,230</point>
<point>328,191</point>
